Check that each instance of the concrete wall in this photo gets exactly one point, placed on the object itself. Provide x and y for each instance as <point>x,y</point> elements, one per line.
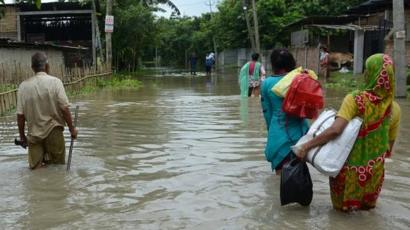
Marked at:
<point>238,57</point>
<point>234,57</point>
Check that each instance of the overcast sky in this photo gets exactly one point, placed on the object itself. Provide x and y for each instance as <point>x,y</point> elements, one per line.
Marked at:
<point>191,7</point>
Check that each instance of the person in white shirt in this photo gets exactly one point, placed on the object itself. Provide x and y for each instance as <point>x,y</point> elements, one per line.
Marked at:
<point>43,104</point>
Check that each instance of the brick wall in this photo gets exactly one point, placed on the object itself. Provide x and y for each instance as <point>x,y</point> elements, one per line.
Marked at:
<point>8,23</point>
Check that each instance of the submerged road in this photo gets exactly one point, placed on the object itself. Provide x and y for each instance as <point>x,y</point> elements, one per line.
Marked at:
<point>180,153</point>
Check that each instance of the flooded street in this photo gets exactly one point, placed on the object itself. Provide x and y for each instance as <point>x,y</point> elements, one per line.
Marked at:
<point>179,153</point>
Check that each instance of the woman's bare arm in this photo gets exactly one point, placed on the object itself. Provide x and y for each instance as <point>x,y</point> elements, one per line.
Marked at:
<point>329,134</point>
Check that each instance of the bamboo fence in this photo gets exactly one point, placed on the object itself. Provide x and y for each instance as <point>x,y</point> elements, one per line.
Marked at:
<point>73,78</point>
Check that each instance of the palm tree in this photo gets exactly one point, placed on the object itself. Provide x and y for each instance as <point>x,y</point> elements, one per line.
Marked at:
<point>154,3</point>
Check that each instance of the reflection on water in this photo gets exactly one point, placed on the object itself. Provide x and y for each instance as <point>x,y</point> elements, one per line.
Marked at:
<point>182,152</point>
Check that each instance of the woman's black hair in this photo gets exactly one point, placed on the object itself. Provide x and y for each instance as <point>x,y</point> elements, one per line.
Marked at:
<point>255,57</point>
<point>282,59</point>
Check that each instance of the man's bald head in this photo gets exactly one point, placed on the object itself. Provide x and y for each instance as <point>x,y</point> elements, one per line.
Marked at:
<point>39,62</point>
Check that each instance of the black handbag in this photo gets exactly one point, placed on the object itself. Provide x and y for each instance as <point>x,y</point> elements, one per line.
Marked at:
<point>295,183</point>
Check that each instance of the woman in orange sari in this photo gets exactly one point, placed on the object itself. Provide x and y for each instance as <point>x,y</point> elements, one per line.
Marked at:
<point>359,183</point>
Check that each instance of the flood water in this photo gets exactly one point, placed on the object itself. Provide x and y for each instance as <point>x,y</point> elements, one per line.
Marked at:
<point>179,153</point>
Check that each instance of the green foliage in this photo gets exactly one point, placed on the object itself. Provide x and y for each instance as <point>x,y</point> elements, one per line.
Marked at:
<point>153,4</point>
<point>138,32</point>
<point>230,25</point>
<point>176,36</point>
<point>7,87</point>
<point>119,81</point>
<point>344,81</point>
<point>1,8</point>
<point>274,15</point>
<point>116,82</point>
<point>408,76</point>
<point>179,37</point>
<point>134,33</point>
<point>35,2</point>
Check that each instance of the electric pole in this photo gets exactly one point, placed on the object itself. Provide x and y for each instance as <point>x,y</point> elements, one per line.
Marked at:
<point>210,4</point>
<point>399,49</point>
<point>248,25</point>
<point>108,44</point>
<point>256,27</point>
<point>97,31</point>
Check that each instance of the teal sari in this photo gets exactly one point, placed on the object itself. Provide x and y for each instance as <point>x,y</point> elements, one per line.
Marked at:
<point>283,131</point>
<point>244,77</point>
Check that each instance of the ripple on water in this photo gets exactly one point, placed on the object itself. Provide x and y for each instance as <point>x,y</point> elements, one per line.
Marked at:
<point>182,154</point>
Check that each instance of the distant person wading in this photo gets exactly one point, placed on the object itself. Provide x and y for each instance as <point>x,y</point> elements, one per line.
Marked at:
<point>193,61</point>
<point>251,76</point>
<point>209,62</point>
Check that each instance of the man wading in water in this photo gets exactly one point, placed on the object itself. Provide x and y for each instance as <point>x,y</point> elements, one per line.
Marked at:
<point>43,103</point>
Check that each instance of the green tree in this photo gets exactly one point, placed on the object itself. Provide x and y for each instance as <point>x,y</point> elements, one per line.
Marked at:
<point>136,33</point>
<point>133,35</point>
<point>154,5</point>
<point>233,34</point>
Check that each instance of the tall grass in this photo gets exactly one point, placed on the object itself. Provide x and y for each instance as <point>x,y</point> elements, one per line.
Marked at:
<point>344,81</point>
<point>116,82</point>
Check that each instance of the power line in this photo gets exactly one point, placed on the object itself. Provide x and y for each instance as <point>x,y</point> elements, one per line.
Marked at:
<point>211,3</point>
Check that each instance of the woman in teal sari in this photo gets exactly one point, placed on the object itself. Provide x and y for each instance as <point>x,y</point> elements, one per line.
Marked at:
<point>283,131</point>
<point>251,76</point>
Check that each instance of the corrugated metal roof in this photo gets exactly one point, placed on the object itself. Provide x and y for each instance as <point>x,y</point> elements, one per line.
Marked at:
<point>324,20</point>
<point>13,44</point>
<point>52,6</point>
<point>339,27</point>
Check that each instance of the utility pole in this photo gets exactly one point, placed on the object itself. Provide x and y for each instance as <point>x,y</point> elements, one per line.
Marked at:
<point>108,44</point>
<point>399,49</point>
<point>248,25</point>
<point>256,27</point>
<point>210,4</point>
<point>97,31</point>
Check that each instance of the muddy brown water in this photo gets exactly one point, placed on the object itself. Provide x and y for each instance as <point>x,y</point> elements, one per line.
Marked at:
<point>179,153</point>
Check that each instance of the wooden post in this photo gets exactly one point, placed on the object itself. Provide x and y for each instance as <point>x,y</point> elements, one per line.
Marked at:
<point>7,101</point>
<point>2,79</point>
<point>18,27</point>
<point>1,104</point>
<point>62,74</point>
<point>93,37</point>
<point>108,43</point>
<point>22,78</point>
<point>306,56</point>
<point>16,76</point>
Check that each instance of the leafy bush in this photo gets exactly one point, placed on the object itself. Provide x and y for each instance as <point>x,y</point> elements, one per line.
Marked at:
<point>344,81</point>
<point>117,81</point>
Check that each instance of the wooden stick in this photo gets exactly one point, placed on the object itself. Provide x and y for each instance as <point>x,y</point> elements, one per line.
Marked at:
<point>70,152</point>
